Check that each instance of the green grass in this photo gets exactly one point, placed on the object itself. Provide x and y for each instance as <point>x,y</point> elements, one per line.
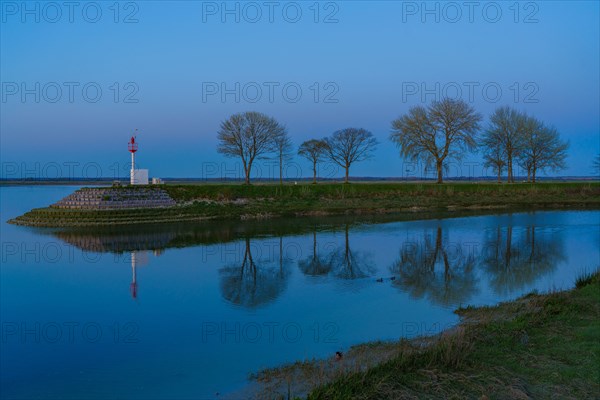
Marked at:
<point>367,190</point>
<point>539,346</point>
<point>234,201</point>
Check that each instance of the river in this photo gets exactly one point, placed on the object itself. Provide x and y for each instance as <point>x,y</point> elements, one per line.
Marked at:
<point>190,310</point>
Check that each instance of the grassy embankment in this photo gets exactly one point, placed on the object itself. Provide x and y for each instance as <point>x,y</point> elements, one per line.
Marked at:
<point>199,202</point>
<point>539,346</point>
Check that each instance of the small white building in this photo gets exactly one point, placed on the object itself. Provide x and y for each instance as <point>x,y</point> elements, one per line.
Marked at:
<point>139,177</point>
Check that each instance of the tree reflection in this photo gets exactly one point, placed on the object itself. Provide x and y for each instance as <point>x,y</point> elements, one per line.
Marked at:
<point>346,264</point>
<point>515,260</point>
<point>434,268</point>
<point>338,261</point>
<point>314,265</point>
<point>254,283</point>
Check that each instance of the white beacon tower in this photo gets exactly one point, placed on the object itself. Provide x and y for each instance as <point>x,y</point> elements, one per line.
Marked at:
<point>137,176</point>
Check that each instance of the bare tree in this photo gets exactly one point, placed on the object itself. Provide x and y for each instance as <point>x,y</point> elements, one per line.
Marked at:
<point>443,130</point>
<point>542,148</point>
<point>596,165</point>
<point>507,125</point>
<point>493,153</point>
<point>283,148</point>
<point>248,135</point>
<point>313,150</point>
<point>350,145</point>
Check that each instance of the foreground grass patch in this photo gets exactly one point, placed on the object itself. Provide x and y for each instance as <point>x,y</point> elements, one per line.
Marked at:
<point>536,347</point>
<point>540,346</point>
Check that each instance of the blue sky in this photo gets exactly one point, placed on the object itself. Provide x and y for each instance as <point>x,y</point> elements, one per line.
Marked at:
<point>357,64</point>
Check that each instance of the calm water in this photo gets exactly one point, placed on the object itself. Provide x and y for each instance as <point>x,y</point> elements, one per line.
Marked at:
<point>187,311</point>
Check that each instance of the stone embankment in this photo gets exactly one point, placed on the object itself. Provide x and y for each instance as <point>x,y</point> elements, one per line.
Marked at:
<point>107,206</point>
<point>115,199</point>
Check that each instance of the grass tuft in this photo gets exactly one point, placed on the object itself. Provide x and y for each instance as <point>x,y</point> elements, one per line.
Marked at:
<point>586,278</point>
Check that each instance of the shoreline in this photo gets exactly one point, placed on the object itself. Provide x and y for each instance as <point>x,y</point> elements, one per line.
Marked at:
<point>418,213</point>
<point>197,203</point>
<point>496,351</point>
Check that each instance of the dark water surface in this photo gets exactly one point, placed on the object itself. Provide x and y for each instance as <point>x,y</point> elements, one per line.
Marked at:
<point>186,311</point>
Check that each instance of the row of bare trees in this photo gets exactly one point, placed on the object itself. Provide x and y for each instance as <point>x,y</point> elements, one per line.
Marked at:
<point>344,147</point>
<point>515,137</point>
<point>252,135</point>
<point>446,129</point>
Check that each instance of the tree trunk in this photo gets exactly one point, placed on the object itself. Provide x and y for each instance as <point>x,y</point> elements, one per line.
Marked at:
<point>347,169</point>
<point>246,174</point>
<point>510,170</point>
<point>314,172</point>
<point>528,173</point>
<point>438,166</point>
<point>280,169</point>
<point>533,171</point>
<point>247,169</point>
<point>499,175</point>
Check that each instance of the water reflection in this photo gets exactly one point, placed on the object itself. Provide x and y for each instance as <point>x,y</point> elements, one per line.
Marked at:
<point>118,242</point>
<point>516,257</point>
<point>254,283</point>
<point>348,264</point>
<point>133,286</point>
<point>138,259</point>
<point>314,264</point>
<point>125,238</point>
<point>431,266</point>
<point>435,261</point>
